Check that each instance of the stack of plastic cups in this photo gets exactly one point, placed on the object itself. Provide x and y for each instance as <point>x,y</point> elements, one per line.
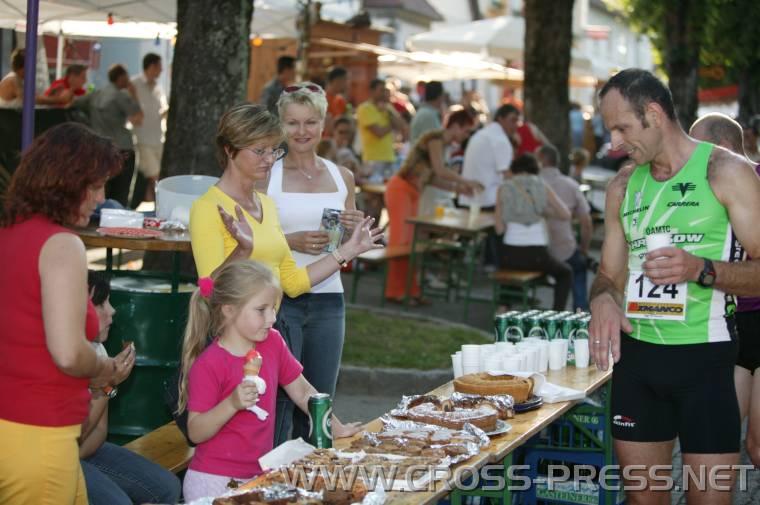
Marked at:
<point>492,363</point>
<point>557,354</point>
<point>486,350</point>
<point>470,358</point>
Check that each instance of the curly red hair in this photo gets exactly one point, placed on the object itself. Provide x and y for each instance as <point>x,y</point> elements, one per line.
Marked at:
<point>56,171</point>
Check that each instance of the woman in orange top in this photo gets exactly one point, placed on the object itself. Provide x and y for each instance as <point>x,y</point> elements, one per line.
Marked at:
<point>402,194</point>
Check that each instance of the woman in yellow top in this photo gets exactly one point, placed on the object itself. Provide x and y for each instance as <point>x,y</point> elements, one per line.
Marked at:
<point>233,221</point>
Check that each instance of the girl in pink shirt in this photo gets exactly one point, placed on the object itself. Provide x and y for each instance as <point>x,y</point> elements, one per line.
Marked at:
<point>238,306</point>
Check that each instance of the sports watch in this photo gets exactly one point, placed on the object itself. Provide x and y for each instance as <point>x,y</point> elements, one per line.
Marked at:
<point>707,275</point>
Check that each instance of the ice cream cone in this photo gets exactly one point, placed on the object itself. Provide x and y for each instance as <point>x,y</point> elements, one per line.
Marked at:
<point>252,364</point>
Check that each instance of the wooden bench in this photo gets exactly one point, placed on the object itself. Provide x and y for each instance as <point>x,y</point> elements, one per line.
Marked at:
<point>381,257</point>
<point>166,446</point>
<point>522,281</point>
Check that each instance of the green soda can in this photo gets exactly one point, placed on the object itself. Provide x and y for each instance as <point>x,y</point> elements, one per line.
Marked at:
<point>551,326</point>
<point>549,313</point>
<point>567,327</point>
<point>581,327</point>
<point>500,325</point>
<point>536,327</point>
<point>564,314</point>
<point>514,332</point>
<point>320,420</point>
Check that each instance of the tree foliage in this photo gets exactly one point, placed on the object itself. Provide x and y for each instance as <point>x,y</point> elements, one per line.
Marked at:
<point>690,33</point>
<point>676,29</point>
<point>732,40</point>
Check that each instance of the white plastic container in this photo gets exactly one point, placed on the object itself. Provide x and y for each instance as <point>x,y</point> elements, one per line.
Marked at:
<point>175,195</point>
<point>120,218</point>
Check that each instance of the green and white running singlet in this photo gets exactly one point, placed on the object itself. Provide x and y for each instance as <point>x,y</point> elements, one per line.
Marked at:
<point>686,208</point>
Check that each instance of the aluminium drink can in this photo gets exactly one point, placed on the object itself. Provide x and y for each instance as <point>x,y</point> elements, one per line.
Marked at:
<point>320,420</point>
<point>500,325</point>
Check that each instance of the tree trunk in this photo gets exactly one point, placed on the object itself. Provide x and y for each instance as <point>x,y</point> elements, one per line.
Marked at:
<point>749,94</point>
<point>683,31</point>
<point>209,74</point>
<point>475,13</point>
<point>548,39</point>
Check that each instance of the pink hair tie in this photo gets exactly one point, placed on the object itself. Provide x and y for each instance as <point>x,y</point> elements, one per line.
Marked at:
<point>206,286</point>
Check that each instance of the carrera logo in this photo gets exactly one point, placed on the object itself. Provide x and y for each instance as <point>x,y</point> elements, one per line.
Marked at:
<point>683,204</point>
<point>684,187</point>
<point>623,421</point>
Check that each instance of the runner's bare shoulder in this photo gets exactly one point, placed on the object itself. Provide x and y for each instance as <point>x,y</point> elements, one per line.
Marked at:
<point>727,170</point>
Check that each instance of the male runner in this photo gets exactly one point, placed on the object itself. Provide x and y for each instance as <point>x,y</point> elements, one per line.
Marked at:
<point>675,356</point>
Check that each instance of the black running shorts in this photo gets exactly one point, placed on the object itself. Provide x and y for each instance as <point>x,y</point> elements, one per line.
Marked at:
<point>748,326</point>
<point>660,392</point>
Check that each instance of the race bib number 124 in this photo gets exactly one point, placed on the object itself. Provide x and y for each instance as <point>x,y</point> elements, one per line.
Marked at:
<point>645,300</point>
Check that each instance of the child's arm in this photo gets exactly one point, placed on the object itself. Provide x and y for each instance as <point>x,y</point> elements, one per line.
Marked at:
<point>300,390</point>
<point>201,426</point>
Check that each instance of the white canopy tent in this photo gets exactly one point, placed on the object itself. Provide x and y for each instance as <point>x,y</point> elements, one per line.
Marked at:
<point>271,18</point>
<point>424,66</point>
<point>498,37</point>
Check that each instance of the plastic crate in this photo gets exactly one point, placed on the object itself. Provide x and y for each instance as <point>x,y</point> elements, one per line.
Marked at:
<point>574,492</point>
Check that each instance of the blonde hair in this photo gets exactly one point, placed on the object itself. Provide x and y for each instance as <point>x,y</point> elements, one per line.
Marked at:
<point>234,284</point>
<point>317,100</point>
<point>243,125</point>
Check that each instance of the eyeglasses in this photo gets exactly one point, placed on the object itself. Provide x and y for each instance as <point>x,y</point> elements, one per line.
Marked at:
<point>264,153</point>
<point>311,87</point>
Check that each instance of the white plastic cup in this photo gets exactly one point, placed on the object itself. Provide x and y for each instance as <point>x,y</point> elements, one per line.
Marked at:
<point>511,363</point>
<point>504,347</point>
<point>493,363</point>
<point>470,352</point>
<point>658,241</point>
<point>557,354</point>
<point>456,363</point>
<point>581,353</point>
<point>532,357</point>
<point>523,361</point>
<point>468,369</point>
<point>543,357</point>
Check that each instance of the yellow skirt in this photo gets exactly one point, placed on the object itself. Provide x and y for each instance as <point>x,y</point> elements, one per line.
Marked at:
<point>39,465</point>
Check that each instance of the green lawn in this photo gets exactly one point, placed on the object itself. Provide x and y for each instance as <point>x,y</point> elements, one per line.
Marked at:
<point>377,340</point>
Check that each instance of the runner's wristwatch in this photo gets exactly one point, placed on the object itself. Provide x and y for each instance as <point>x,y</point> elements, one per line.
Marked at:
<point>707,275</point>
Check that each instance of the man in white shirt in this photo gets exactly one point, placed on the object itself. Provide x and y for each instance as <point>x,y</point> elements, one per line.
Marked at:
<point>488,156</point>
<point>562,242</point>
<point>149,135</point>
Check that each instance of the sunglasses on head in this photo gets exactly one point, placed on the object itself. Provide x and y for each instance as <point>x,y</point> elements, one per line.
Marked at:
<point>311,87</point>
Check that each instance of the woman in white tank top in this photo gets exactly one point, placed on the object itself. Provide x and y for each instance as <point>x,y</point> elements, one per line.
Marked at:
<point>302,185</point>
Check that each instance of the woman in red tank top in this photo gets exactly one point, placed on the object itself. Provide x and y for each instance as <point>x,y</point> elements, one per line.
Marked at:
<point>46,362</point>
<point>531,138</point>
